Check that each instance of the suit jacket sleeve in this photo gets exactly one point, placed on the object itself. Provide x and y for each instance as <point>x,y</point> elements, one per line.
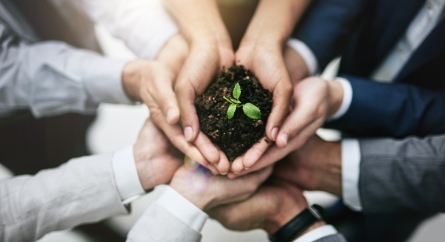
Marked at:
<point>397,110</point>
<point>326,26</point>
<point>80,191</point>
<point>159,225</point>
<point>400,175</point>
<point>51,77</point>
<point>332,238</point>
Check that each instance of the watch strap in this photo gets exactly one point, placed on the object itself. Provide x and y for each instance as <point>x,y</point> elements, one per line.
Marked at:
<point>298,224</point>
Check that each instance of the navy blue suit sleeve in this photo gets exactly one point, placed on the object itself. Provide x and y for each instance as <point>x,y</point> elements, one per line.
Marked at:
<point>397,110</point>
<point>326,26</point>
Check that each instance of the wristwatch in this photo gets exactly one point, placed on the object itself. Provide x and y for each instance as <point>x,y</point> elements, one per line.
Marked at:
<point>298,224</point>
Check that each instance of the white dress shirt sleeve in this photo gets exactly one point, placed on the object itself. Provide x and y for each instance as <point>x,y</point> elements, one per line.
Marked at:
<point>144,25</point>
<point>347,99</point>
<point>350,169</point>
<point>305,53</point>
<point>52,78</point>
<point>317,234</point>
<point>126,176</point>
<point>183,209</point>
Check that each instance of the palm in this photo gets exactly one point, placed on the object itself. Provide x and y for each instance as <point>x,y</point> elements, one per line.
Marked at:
<point>157,157</point>
<point>267,64</point>
<point>265,207</point>
<point>300,166</point>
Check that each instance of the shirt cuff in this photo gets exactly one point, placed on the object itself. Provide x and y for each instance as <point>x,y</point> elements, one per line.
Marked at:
<point>350,159</point>
<point>103,80</point>
<point>306,53</point>
<point>182,208</point>
<point>347,99</point>
<point>317,234</point>
<point>126,176</point>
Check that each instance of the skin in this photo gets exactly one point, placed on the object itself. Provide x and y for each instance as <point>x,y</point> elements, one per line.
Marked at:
<point>210,50</point>
<point>310,169</point>
<point>152,82</point>
<point>156,162</point>
<point>264,57</point>
<point>219,190</point>
<point>307,167</point>
<point>270,208</point>
<point>313,100</point>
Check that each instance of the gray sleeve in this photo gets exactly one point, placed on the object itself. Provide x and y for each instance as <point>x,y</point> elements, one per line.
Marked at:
<point>407,174</point>
<point>159,225</point>
<point>80,191</point>
<point>332,238</point>
<point>51,77</point>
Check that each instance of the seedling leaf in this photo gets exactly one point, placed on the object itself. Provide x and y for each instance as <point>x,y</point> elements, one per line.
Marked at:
<point>231,111</point>
<point>235,101</point>
<point>251,111</point>
<point>237,91</point>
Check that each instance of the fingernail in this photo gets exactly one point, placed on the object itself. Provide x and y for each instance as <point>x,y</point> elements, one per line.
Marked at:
<point>284,138</point>
<point>274,133</point>
<point>245,168</point>
<point>171,114</point>
<point>223,174</point>
<point>188,133</point>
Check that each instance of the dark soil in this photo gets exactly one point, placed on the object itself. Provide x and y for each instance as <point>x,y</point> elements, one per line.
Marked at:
<point>237,135</point>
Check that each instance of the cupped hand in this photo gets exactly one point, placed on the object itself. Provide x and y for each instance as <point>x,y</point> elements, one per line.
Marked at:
<point>266,61</point>
<point>155,157</point>
<point>207,192</point>
<point>315,166</point>
<point>313,100</point>
<point>206,58</point>
<point>272,206</point>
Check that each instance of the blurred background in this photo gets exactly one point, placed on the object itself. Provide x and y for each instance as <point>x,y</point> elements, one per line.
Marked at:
<point>117,126</point>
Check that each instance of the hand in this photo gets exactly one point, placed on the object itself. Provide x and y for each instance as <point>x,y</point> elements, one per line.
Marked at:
<point>152,81</point>
<point>313,100</point>
<point>270,208</point>
<point>206,192</point>
<point>266,62</point>
<point>315,166</point>
<point>261,51</point>
<point>296,65</point>
<point>210,49</point>
<point>200,67</point>
<point>156,159</point>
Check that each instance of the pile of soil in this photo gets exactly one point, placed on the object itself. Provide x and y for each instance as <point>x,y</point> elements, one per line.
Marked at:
<point>233,136</point>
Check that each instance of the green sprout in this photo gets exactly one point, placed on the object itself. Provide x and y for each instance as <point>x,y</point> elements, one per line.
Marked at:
<point>249,109</point>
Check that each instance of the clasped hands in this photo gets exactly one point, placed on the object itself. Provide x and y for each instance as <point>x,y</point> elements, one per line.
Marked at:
<point>252,197</point>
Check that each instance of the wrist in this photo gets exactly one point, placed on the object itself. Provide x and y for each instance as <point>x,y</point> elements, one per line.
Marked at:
<point>330,177</point>
<point>314,226</point>
<point>131,79</point>
<point>196,196</point>
<point>144,170</point>
<point>278,220</point>
<point>335,97</point>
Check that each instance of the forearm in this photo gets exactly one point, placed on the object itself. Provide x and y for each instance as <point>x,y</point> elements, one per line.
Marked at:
<point>400,175</point>
<point>81,191</point>
<point>398,110</point>
<point>199,20</point>
<point>327,25</point>
<point>274,21</point>
<point>51,78</point>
